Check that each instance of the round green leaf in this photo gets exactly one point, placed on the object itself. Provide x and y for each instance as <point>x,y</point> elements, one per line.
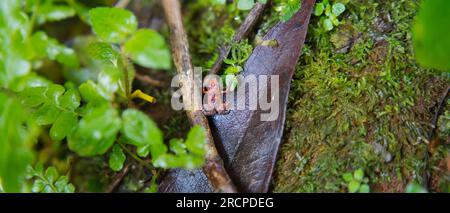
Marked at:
<point>196,140</point>
<point>139,129</point>
<point>70,100</point>
<point>353,186</point>
<point>116,158</point>
<point>63,126</point>
<point>96,132</point>
<point>245,4</point>
<point>347,177</point>
<point>338,9</point>
<point>318,9</point>
<point>358,175</point>
<point>112,24</point>
<point>327,24</point>
<point>148,49</point>
<point>364,188</point>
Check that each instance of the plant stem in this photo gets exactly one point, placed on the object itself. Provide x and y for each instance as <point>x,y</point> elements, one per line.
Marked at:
<point>126,69</point>
<point>137,158</point>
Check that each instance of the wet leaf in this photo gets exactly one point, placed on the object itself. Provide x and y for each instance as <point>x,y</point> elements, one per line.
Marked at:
<point>141,131</point>
<point>112,24</point>
<point>338,9</point>
<point>116,158</point>
<point>96,131</point>
<point>149,49</point>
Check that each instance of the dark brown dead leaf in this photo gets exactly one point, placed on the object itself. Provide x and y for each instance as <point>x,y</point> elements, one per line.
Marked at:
<point>249,145</point>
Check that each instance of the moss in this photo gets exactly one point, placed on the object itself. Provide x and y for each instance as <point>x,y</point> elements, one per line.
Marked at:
<point>359,101</point>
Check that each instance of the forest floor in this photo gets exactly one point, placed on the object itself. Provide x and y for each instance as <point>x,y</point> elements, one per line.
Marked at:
<point>358,100</point>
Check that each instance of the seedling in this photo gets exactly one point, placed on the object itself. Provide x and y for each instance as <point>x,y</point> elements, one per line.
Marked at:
<point>328,14</point>
<point>356,182</point>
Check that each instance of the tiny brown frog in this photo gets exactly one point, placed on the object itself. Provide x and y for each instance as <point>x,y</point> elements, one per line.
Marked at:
<point>214,99</point>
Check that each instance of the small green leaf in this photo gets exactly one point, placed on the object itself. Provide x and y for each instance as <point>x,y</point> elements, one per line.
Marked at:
<point>52,12</point>
<point>112,24</point>
<point>116,158</point>
<point>178,161</point>
<point>327,24</point>
<point>70,100</point>
<point>358,175</point>
<point>291,8</point>
<point>347,177</point>
<point>353,186</point>
<point>318,10</point>
<point>43,46</point>
<point>177,146</point>
<point>61,183</point>
<point>51,175</point>
<point>196,140</point>
<point>69,188</point>
<point>96,132</point>
<point>149,49</point>
<point>338,9</point>
<point>104,52</point>
<point>38,186</point>
<point>364,188</point>
<point>141,131</point>
<point>63,126</point>
<point>245,4</point>
<point>91,92</point>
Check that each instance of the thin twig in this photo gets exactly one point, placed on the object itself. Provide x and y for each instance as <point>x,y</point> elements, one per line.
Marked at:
<point>118,178</point>
<point>213,168</point>
<point>242,32</point>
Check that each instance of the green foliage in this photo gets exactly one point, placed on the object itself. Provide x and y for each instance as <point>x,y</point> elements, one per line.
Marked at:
<point>142,132</point>
<point>289,9</point>
<point>239,54</point>
<point>328,14</point>
<point>112,25</point>
<point>18,133</point>
<point>431,40</point>
<point>53,105</point>
<point>104,52</point>
<point>356,182</point>
<point>49,181</point>
<point>148,49</point>
<point>96,132</point>
<point>88,113</point>
<point>49,11</point>
<point>116,158</point>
